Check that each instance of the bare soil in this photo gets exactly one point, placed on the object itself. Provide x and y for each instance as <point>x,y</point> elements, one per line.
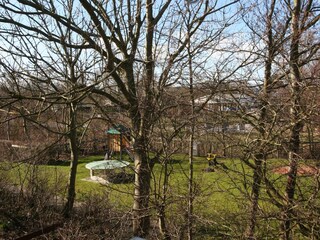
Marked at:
<point>303,170</point>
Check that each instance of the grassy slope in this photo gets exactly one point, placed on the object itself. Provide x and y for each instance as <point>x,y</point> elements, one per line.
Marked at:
<point>211,183</point>
<point>218,192</point>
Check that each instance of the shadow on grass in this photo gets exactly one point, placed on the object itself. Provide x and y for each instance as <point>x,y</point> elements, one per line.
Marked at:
<point>58,163</point>
<point>118,178</point>
<point>170,161</point>
<point>100,158</point>
<point>67,162</point>
<point>213,233</point>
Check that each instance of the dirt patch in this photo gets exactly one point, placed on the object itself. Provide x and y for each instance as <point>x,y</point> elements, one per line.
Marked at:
<point>303,170</point>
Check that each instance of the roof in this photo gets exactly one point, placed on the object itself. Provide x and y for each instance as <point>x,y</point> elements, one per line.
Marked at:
<point>117,130</point>
<point>107,164</point>
<point>113,131</point>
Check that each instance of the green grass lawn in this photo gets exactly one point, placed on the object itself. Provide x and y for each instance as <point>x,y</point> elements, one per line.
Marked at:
<point>212,185</point>
<point>220,193</point>
<point>219,183</point>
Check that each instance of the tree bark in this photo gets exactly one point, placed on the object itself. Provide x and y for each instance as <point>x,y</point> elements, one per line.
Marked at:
<point>191,142</point>
<point>162,208</point>
<point>190,187</point>
<point>74,155</point>
<point>143,169</point>
<point>260,156</point>
<point>296,121</point>
<point>162,223</point>
<point>255,196</point>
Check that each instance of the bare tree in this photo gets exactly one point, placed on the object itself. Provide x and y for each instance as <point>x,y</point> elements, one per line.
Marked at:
<point>269,127</point>
<point>145,71</point>
<point>47,64</point>
<point>304,15</point>
<point>138,62</point>
<point>273,37</point>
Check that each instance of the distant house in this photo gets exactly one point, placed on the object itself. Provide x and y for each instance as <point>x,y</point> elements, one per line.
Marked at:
<point>226,102</point>
<point>229,106</point>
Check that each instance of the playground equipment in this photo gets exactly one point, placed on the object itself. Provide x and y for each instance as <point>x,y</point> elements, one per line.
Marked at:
<point>118,141</point>
<point>212,159</point>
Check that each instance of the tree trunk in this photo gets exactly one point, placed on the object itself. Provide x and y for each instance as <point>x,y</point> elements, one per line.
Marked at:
<point>191,142</point>
<point>260,156</point>
<point>190,185</point>
<point>143,169</point>
<point>162,207</point>
<point>296,121</point>
<point>162,223</point>
<point>74,155</point>
<point>255,195</point>
<point>142,119</point>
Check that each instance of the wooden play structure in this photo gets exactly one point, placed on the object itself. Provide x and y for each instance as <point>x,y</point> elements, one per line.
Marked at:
<point>118,140</point>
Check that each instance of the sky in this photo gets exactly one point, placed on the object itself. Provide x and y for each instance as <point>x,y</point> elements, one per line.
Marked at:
<point>214,59</point>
